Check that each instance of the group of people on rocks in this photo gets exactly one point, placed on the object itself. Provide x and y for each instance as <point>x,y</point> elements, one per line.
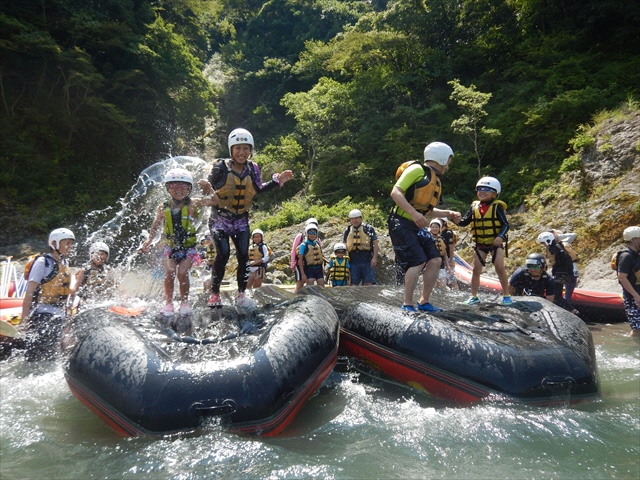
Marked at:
<point>423,247</point>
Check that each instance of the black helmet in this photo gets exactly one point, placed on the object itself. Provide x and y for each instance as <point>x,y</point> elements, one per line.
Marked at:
<point>536,259</point>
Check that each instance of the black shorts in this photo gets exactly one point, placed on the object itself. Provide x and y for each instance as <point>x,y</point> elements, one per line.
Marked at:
<point>413,246</point>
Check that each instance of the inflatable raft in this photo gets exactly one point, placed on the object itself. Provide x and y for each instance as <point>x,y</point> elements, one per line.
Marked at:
<point>532,352</point>
<point>252,372</point>
<point>593,304</point>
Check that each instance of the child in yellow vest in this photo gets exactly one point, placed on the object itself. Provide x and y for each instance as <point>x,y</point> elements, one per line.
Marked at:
<point>258,258</point>
<point>177,218</point>
<point>490,227</point>
<point>339,269</point>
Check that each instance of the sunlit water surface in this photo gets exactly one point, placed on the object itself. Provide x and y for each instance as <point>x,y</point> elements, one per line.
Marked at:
<point>355,427</point>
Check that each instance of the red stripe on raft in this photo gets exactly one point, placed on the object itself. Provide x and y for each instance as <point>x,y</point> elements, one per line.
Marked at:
<point>12,302</point>
<point>400,367</point>
<point>112,418</point>
<point>277,423</point>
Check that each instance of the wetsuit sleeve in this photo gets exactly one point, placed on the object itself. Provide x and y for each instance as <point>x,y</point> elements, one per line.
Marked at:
<point>516,279</point>
<point>257,180</point>
<point>551,286</point>
<point>467,219</point>
<point>217,177</point>
<point>345,235</point>
<point>502,218</point>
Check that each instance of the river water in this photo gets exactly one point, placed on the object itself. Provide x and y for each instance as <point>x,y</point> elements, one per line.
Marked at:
<point>354,427</point>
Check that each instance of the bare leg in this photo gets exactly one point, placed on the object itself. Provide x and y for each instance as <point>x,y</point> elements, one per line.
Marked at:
<point>498,263</point>
<point>429,278</point>
<point>183,279</point>
<point>477,271</point>
<point>169,279</point>
<point>410,281</point>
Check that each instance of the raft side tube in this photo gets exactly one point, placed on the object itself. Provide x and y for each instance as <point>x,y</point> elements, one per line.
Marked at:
<point>138,389</point>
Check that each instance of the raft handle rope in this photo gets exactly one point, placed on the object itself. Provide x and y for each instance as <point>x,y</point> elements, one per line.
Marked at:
<point>200,409</point>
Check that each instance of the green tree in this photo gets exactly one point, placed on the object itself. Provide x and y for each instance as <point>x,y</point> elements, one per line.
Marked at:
<point>472,102</point>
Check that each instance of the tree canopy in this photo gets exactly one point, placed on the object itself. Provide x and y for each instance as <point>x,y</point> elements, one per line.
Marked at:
<point>341,91</point>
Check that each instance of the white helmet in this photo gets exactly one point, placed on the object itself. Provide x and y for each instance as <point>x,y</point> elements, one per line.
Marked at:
<point>630,233</point>
<point>438,152</point>
<point>443,221</point>
<point>259,232</point>
<point>310,220</point>
<point>546,238</point>
<point>436,221</point>
<point>310,226</point>
<point>99,247</point>
<point>355,213</point>
<point>60,234</point>
<point>178,175</point>
<point>240,136</point>
<point>490,182</point>
<point>339,246</point>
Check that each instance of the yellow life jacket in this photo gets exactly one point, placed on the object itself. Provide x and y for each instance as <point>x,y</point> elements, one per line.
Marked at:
<point>236,194</point>
<point>56,290</point>
<point>338,270</point>
<point>95,278</point>
<point>209,252</point>
<point>424,194</point>
<point>441,246</point>
<point>357,239</point>
<point>313,255</point>
<point>486,228</point>
<point>186,236</point>
<point>255,252</point>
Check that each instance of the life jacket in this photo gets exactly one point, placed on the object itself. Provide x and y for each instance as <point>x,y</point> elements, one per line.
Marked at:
<point>182,236</point>
<point>235,193</point>
<point>425,194</point>
<point>33,258</point>
<point>338,270</point>
<point>95,278</point>
<point>535,287</point>
<point>300,238</point>
<point>256,252</point>
<point>54,288</point>
<point>209,252</point>
<point>635,269</point>
<point>486,228</point>
<point>441,245</point>
<point>358,239</point>
<point>313,255</point>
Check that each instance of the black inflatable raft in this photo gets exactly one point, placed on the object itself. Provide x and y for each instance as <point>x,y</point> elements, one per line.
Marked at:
<point>532,351</point>
<point>253,371</point>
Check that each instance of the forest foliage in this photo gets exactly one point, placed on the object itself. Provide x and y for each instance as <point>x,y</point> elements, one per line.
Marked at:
<point>340,91</point>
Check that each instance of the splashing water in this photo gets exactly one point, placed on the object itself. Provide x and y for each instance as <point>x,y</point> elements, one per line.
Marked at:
<point>125,230</point>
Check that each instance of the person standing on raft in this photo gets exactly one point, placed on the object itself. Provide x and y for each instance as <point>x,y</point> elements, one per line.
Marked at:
<point>234,182</point>
<point>177,218</point>
<point>416,193</point>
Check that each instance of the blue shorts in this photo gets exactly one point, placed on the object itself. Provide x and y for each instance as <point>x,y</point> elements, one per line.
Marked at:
<point>632,311</point>
<point>413,246</point>
<point>313,271</point>
<point>362,273</point>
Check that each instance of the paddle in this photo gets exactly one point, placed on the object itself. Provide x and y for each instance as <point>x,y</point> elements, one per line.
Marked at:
<point>127,311</point>
<point>8,330</point>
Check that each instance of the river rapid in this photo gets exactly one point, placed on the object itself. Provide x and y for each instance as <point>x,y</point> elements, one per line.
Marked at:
<point>354,427</point>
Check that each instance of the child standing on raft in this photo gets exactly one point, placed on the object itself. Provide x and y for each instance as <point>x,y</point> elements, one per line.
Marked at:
<point>339,270</point>
<point>490,227</point>
<point>176,217</point>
